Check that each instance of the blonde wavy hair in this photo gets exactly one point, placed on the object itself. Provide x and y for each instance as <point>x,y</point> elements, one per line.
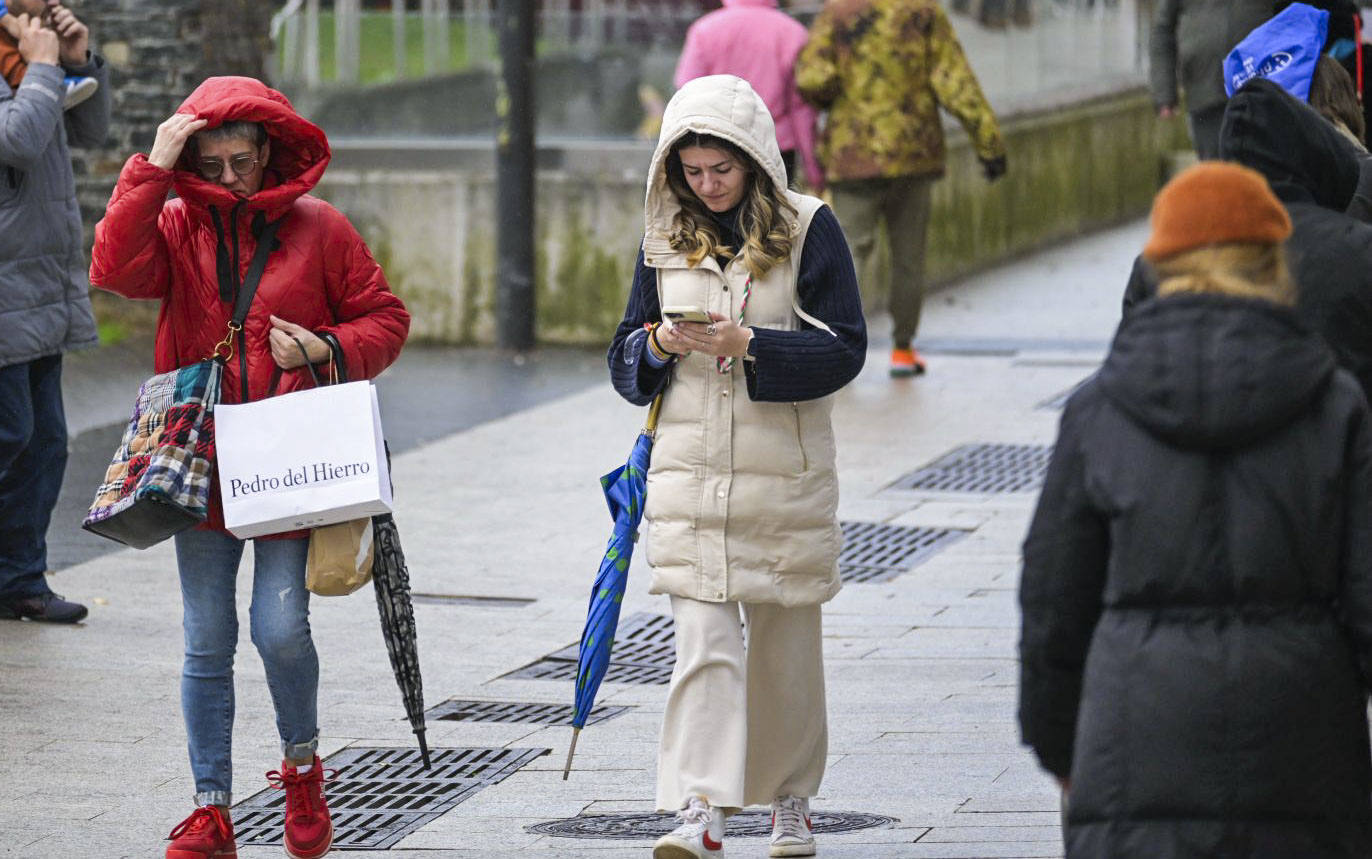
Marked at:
<point>1241,269</point>
<point>764,220</point>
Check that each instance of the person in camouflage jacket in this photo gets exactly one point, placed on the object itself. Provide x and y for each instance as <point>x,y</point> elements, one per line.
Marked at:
<point>882,69</point>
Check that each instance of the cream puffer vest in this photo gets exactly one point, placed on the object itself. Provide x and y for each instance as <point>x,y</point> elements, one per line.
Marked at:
<point>742,495</point>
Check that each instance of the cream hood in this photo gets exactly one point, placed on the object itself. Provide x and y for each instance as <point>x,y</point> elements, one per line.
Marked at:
<point>724,106</point>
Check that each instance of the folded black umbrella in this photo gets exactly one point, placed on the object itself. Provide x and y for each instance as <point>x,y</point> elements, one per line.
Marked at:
<point>391,581</point>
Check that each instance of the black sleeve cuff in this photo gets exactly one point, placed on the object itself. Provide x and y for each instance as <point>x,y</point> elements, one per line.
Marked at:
<point>86,69</point>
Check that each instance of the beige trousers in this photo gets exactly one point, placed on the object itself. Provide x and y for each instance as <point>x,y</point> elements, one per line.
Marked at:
<point>743,725</point>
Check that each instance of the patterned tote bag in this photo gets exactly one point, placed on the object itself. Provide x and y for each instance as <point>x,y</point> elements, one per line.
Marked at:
<point>159,481</point>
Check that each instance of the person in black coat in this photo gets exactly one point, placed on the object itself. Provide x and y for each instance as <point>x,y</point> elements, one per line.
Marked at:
<point>1196,649</point>
<point>1343,43</point>
<point>1314,170</point>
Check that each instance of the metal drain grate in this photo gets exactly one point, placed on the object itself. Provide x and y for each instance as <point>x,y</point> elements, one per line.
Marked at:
<point>874,552</point>
<point>524,713</point>
<point>548,668</point>
<point>747,824</point>
<point>643,653</point>
<point>379,796</point>
<point>982,468</point>
<point>458,599</point>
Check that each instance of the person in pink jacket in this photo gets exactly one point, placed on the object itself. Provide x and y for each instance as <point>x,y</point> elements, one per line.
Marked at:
<point>756,41</point>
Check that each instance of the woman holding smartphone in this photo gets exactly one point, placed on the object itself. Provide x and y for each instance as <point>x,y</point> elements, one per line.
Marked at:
<point>742,491</point>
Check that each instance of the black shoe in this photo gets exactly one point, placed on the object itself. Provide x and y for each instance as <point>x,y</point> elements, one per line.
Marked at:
<point>47,607</point>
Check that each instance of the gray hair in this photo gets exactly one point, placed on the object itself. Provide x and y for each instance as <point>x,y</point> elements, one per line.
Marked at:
<point>253,132</point>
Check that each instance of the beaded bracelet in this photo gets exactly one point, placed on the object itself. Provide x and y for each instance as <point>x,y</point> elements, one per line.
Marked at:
<point>657,350</point>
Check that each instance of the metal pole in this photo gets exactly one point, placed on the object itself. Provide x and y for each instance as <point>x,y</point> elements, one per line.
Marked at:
<point>515,176</point>
<point>442,37</point>
<point>347,42</point>
<point>311,52</point>
<point>475,31</point>
<point>398,12</point>
<point>430,11</point>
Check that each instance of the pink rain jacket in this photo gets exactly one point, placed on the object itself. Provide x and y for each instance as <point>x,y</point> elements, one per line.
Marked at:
<point>759,43</point>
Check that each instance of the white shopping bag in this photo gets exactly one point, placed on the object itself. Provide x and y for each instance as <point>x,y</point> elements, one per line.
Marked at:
<point>301,460</point>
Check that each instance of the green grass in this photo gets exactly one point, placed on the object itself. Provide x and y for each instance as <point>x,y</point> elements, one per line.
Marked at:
<point>377,61</point>
<point>119,320</point>
<point>112,332</point>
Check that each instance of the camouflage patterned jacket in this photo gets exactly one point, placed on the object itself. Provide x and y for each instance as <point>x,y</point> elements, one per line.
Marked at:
<point>882,69</point>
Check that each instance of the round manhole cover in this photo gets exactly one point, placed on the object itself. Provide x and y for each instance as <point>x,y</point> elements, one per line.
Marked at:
<point>742,825</point>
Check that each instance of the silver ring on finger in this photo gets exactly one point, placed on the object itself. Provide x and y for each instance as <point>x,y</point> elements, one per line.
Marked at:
<point>710,330</point>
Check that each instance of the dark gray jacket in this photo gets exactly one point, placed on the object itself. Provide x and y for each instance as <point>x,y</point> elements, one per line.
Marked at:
<point>1190,40</point>
<point>44,292</point>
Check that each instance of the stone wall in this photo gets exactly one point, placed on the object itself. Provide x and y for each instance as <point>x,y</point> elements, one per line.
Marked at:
<point>155,56</point>
<point>1075,166</point>
<point>434,234</point>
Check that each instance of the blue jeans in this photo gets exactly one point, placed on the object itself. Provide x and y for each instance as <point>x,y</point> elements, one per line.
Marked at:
<point>280,619</point>
<point>33,456</point>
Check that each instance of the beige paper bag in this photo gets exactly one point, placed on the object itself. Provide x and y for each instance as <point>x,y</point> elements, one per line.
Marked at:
<point>340,559</point>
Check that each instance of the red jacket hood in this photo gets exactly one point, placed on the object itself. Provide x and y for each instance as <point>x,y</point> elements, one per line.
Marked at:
<point>299,151</point>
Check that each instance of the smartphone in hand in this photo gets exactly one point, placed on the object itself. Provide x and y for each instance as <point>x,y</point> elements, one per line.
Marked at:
<point>686,314</point>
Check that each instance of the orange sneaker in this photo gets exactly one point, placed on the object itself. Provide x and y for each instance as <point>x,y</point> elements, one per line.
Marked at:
<point>206,834</point>
<point>906,362</point>
<point>309,829</point>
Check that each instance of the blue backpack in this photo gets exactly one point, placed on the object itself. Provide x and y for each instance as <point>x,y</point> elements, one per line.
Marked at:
<point>1286,49</point>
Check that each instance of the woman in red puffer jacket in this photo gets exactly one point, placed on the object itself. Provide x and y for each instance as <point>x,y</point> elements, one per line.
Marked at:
<point>239,157</point>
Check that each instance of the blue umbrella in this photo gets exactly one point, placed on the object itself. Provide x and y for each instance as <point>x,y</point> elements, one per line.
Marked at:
<point>625,490</point>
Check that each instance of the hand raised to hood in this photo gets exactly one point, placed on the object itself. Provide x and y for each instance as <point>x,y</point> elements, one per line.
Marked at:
<point>171,138</point>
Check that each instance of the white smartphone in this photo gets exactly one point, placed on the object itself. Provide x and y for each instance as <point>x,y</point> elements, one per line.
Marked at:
<point>686,314</point>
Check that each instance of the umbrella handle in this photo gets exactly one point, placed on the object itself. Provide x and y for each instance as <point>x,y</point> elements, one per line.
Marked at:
<point>576,732</point>
<point>650,426</point>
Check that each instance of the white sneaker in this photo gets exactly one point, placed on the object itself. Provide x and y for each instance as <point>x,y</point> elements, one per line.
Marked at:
<point>700,835</point>
<point>791,834</point>
<point>78,90</point>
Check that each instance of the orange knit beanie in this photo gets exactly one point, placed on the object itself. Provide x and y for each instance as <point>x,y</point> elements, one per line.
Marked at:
<point>1213,203</point>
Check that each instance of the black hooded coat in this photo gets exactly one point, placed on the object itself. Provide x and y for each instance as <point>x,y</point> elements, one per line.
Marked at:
<point>1314,170</point>
<point>1196,649</point>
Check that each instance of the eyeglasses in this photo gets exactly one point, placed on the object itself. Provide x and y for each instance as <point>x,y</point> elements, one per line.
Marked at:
<point>241,164</point>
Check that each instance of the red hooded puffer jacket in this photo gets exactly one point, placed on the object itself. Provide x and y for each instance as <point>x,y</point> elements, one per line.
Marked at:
<point>322,276</point>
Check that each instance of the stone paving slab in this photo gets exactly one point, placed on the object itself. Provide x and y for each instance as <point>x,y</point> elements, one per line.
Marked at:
<point>921,670</point>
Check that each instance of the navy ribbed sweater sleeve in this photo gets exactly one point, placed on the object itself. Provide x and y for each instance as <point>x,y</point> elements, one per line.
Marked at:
<point>633,377</point>
<point>791,366</point>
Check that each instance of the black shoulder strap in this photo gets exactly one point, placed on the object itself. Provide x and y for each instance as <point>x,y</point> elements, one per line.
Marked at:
<point>266,242</point>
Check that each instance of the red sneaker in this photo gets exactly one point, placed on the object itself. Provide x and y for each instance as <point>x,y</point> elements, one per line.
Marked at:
<point>309,829</point>
<point>206,834</point>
